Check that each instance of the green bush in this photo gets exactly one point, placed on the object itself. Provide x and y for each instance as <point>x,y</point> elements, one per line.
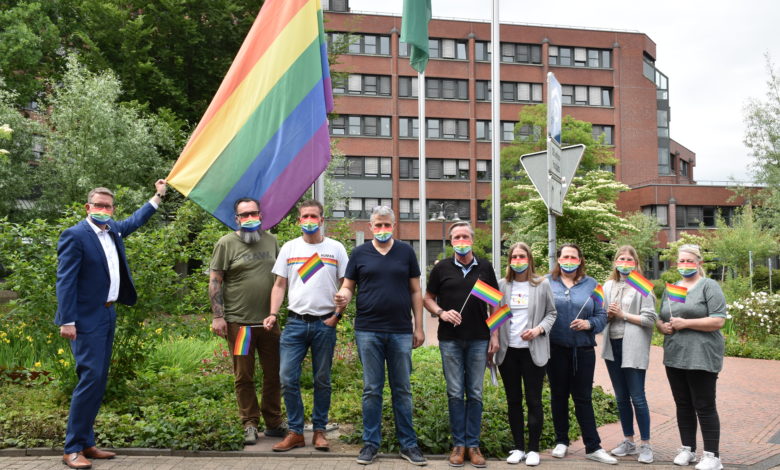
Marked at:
<point>761,279</point>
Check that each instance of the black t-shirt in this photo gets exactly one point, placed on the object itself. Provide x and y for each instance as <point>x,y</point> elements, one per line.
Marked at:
<point>384,301</point>
<point>447,283</point>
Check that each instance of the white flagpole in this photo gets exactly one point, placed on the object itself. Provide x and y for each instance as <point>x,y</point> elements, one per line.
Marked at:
<point>496,137</point>
<point>423,214</point>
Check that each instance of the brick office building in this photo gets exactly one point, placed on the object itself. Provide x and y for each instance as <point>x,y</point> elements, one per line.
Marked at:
<point>608,78</point>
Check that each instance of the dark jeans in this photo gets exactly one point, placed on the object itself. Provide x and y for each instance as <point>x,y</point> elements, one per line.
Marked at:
<point>518,366</point>
<point>694,396</point>
<point>464,362</point>
<point>570,371</point>
<point>629,385</point>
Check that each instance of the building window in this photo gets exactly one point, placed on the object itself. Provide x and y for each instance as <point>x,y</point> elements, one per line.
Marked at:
<point>483,213</point>
<point>37,147</point>
<point>521,92</point>
<point>410,169</point>
<point>451,207</point>
<point>661,213</point>
<point>483,90</point>
<point>367,126</point>
<point>370,44</point>
<point>440,49</point>
<point>457,129</point>
<point>580,57</point>
<point>409,209</point>
<point>599,130</point>
<point>483,170</point>
<point>436,88</point>
<point>693,216</point>
<point>521,53</point>
<point>586,95</point>
<point>484,131</point>
<point>684,168</point>
<point>357,207</point>
<point>364,167</point>
<point>408,127</point>
<point>482,51</point>
<point>357,84</point>
<point>335,5</point>
<point>648,68</point>
<point>436,168</point>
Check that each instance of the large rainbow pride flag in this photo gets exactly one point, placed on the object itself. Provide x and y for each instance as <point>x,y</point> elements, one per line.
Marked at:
<point>265,133</point>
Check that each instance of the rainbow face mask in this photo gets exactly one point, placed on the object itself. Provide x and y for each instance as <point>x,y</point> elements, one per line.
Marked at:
<point>519,265</point>
<point>462,247</point>
<point>100,216</point>
<point>382,235</point>
<point>625,267</point>
<point>569,265</point>
<point>249,224</point>
<point>687,269</point>
<point>310,228</point>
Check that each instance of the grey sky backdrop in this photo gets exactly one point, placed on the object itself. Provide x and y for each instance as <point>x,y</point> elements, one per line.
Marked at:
<point>712,52</point>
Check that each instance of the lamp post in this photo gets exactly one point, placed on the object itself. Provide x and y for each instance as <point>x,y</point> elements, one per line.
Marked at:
<point>443,219</point>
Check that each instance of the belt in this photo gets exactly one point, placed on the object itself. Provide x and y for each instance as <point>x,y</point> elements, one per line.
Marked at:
<point>108,304</point>
<point>308,318</point>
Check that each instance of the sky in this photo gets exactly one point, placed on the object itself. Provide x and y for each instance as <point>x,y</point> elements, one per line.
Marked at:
<point>712,51</point>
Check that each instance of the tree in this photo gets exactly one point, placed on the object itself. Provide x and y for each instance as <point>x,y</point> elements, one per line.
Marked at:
<point>733,244</point>
<point>762,137</point>
<point>642,235</point>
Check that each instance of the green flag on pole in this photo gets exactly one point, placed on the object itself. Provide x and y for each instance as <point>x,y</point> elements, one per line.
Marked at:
<point>414,31</point>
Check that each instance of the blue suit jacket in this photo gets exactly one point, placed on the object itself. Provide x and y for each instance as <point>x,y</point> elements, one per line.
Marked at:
<point>82,270</point>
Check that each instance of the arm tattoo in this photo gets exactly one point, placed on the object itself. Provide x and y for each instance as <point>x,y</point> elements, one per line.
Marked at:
<point>215,294</point>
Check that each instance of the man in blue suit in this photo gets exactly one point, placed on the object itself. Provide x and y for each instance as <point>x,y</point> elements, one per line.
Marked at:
<point>92,274</point>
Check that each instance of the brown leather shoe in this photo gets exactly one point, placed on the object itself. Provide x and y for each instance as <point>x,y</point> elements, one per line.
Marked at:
<point>476,458</point>
<point>290,442</point>
<point>95,453</point>
<point>456,456</point>
<point>76,460</point>
<point>319,442</point>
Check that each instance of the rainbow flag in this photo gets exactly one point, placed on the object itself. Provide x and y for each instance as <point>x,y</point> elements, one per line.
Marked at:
<point>265,133</point>
<point>640,283</point>
<point>498,318</point>
<point>484,291</point>
<point>598,295</point>
<point>676,293</point>
<point>243,339</point>
<point>310,267</point>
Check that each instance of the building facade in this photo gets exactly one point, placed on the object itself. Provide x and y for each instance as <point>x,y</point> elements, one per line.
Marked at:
<point>608,78</point>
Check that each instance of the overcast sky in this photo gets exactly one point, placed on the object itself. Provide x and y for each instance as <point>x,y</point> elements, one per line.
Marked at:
<point>712,52</point>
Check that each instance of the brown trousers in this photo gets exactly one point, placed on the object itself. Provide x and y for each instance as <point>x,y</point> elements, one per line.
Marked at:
<point>266,343</point>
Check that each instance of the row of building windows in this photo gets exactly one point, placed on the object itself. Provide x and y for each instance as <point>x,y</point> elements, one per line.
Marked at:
<point>436,168</point>
<point>690,216</point>
<point>409,209</point>
<point>457,49</point>
<point>452,129</point>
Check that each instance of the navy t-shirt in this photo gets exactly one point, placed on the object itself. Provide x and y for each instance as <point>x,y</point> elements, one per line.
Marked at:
<point>384,301</point>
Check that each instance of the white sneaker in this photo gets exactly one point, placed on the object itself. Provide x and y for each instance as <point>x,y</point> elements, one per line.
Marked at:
<point>684,456</point>
<point>709,462</point>
<point>560,451</point>
<point>645,453</point>
<point>532,459</point>
<point>602,456</point>
<point>625,448</point>
<point>515,456</point>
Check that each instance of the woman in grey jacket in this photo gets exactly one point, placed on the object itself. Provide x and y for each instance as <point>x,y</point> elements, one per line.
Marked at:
<point>626,351</point>
<point>524,348</point>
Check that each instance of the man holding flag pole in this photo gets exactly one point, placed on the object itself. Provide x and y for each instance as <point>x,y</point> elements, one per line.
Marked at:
<point>313,267</point>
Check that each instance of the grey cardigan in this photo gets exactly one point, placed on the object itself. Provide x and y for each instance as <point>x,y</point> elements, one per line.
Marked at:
<point>541,312</point>
<point>636,338</point>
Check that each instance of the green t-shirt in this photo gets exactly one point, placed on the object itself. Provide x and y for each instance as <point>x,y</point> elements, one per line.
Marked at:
<point>693,349</point>
<point>247,281</point>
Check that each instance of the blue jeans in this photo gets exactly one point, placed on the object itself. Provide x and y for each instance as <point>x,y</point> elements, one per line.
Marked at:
<point>375,349</point>
<point>464,363</point>
<point>629,385</point>
<point>297,337</point>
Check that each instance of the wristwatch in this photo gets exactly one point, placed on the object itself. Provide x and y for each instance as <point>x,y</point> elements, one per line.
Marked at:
<point>339,315</point>
<point>438,313</point>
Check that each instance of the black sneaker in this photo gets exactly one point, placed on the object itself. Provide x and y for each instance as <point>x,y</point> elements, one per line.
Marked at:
<point>367,454</point>
<point>414,456</point>
<point>280,431</point>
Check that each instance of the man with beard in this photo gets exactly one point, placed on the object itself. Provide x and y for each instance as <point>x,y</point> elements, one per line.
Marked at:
<point>240,290</point>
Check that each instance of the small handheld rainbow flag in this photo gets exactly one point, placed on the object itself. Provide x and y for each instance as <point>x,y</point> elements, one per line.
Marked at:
<point>310,267</point>
<point>243,339</point>
<point>498,318</point>
<point>598,295</point>
<point>640,283</point>
<point>486,292</point>
<point>676,293</point>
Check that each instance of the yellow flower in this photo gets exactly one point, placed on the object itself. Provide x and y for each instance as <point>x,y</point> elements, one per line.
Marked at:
<point>158,330</point>
<point>60,351</point>
<point>66,363</point>
<point>29,338</point>
<point>37,364</point>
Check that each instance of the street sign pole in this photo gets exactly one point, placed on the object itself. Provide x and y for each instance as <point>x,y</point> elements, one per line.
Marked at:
<point>555,206</point>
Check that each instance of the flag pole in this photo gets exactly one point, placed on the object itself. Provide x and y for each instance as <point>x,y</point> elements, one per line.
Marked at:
<point>581,308</point>
<point>464,304</point>
<point>496,137</point>
<point>423,214</point>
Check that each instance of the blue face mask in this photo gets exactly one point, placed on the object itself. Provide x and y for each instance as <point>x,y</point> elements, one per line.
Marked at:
<point>310,228</point>
<point>100,218</point>
<point>251,225</point>
<point>383,237</point>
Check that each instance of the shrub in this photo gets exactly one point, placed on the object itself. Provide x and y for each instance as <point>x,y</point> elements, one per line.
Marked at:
<point>756,316</point>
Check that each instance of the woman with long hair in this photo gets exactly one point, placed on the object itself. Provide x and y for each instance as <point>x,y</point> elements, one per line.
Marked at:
<point>626,351</point>
<point>524,349</point>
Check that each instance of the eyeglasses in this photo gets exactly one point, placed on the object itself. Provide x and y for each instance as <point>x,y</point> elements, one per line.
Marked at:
<point>249,214</point>
<point>101,205</point>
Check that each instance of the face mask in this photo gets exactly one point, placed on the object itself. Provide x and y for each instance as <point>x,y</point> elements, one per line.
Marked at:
<point>100,217</point>
<point>625,267</point>
<point>250,224</point>
<point>569,266</point>
<point>519,267</point>
<point>382,235</point>
<point>310,228</point>
<point>462,247</point>
<point>687,269</point>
